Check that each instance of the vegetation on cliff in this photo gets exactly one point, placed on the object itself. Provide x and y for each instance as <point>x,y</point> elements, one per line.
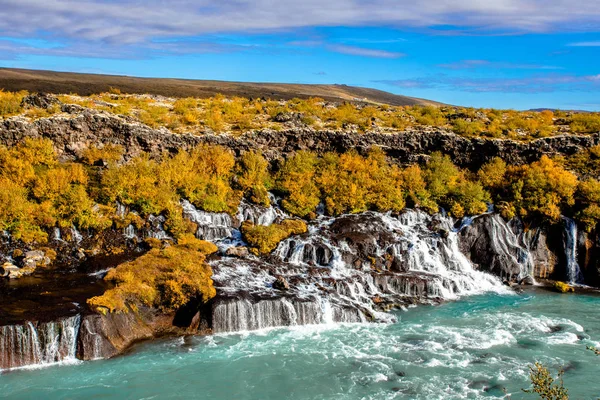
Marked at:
<point>264,239</point>
<point>38,192</point>
<point>165,278</point>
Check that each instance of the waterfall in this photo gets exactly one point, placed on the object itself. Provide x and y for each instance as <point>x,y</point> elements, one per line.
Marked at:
<point>39,343</point>
<point>574,274</point>
<point>211,226</point>
<point>239,315</point>
<point>156,228</point>
<point>75,235</point>
<point>260,215</point>
<point>347,269</point>
<point>129,232</point>
<point>511,248</point>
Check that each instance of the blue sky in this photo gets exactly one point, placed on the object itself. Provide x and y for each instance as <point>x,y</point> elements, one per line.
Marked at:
<point>503,53</point>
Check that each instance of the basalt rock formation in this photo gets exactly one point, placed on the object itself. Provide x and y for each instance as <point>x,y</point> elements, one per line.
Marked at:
<point>77,128</point>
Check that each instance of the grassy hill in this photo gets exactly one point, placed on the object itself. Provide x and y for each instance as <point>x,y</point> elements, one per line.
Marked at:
<point>86,84</point>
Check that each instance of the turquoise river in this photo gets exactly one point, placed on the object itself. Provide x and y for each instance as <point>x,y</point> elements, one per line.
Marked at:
<point>477,347</point>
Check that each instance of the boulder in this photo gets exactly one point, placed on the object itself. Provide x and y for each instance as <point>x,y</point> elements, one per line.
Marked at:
<point>11,271</point>
<point>528,280</point>
<point>35,258</point>
<point>281,284</point>
<point>40,100</point>
<point>237,251</point>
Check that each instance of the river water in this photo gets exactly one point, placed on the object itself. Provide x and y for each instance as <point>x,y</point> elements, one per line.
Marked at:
<point>476,347</point>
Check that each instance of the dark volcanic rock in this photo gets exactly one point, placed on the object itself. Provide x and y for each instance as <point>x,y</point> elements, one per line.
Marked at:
<point>281,283</point>
<point>104,336</point>
<point>40,100</point>
<point>77,131</point>
<point>507,250</point>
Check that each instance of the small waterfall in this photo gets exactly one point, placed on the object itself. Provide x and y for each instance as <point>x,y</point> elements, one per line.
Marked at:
<point>129,232</point>
<point>511,248</point>
<point>211,226</point>
<point>574,274</point>
<point>39,343</point>
<point>75,235</point>
<point>121,209</point>
<point>243,315</point>
<point>239,315</point>
<point>156,228</point>
<point>260,215</point>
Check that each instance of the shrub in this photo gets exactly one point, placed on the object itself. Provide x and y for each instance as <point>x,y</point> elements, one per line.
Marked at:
<point>165,278</point>
<point>470,196</point>
<point>10,103</point>
<point>264,239</point>
<point>542,188</point>
<point>545,386</point>
<point>352,183</point>
<point>254,178</point>
<point>588,199</point>
<point>441,176</point>
<point>416,191</point>
<point>296,180</point>
<point>109,153</point>
<point>491,175</point>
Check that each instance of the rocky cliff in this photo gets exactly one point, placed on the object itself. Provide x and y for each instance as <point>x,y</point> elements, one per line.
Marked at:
<point>77,128</point>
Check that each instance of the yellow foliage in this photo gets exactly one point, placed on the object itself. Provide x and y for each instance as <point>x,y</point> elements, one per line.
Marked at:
<point>264,239</point>
<point>162,278</point>
<point>296,180</point>
<point>254,178</point>
<point>441,176</point>
<point>491,175</point>
<point>109,153</point>
<point>10,103</point>
<point>563,287</point>
<point>352,183</point>
<point>542,188</point>
<point>588,196</point>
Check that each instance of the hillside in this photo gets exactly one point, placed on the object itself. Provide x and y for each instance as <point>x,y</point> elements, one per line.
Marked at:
<point>86,84</point>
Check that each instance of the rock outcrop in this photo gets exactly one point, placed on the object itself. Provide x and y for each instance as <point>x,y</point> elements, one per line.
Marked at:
<point>71,133</point>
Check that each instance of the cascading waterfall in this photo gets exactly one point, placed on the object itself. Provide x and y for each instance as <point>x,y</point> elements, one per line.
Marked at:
<point>39,343</point>
<point>156,228</point>
<point>348,269</point>
<point>333,279</point>
<point>574,274</point>
<point>211,226</point>
<point>512,247</point>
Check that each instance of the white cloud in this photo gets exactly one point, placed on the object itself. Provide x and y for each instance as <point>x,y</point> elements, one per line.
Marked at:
<point>134,21</point>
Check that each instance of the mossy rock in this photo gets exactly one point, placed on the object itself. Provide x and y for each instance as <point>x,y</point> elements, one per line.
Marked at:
<point>563,287</point>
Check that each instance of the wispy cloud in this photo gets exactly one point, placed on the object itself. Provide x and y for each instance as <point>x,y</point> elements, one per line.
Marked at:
<point>10,49</point>
<point>345,49</point>
<point>485,64</point>
<point>530,84</point>
<point>585,44</point>
<point>363,52</point>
